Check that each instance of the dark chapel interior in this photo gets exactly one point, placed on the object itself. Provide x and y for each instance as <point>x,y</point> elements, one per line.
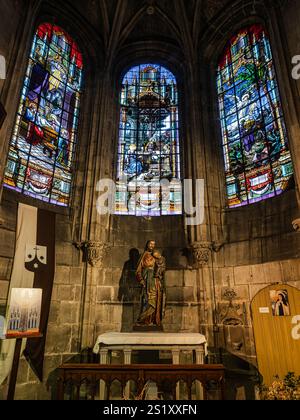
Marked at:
<point>149,198</point>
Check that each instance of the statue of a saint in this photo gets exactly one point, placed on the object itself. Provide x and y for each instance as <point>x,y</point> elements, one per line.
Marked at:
<point>150,274</point>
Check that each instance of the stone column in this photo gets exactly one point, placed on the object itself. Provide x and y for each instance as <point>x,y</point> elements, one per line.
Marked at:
<point>94,252</point>
<point>102,385</point>
<point>17,61</point>
<point>127,356</point>
<point>199,361</point>
<point>127,361</point>
<point>176,361</point>
<point>176,356</point>
<point>199,356</point>
<point>281,22</point>
<point>104,356</point>
<point>94,231</point>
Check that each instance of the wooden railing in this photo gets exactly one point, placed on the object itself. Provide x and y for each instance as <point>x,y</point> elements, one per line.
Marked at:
<point>81,381</point>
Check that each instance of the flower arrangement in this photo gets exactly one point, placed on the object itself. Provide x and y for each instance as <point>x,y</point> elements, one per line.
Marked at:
<point>286,389</point>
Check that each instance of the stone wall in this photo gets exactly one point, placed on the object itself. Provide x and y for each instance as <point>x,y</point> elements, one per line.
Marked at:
<point>65,329</point>
<point>63,336</point>
<point>247,249</point>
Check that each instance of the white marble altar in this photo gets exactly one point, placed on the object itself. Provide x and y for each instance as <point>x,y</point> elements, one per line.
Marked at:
<point>128,342</point>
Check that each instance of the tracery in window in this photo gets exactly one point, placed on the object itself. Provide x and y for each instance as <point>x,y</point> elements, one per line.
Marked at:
<point>257,159</point>
<point>149,150</point>
<point>41,153</point>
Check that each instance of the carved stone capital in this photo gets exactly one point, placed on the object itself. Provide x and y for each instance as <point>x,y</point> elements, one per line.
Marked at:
<point>95,252</point>
<point>201,253</point>
<point>296,225</point>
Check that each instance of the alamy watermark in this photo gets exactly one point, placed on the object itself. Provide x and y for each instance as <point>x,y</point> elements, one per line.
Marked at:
<point>296,68</point>
<point>192,192</point>
<point>2,67</point>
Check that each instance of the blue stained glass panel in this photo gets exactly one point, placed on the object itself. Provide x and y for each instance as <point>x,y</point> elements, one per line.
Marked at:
<point>257,158</point>
<point>149,148</point>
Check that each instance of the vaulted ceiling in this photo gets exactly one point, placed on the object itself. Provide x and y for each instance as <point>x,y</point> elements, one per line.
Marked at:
<point>141,20</point>
<point>176,25</point>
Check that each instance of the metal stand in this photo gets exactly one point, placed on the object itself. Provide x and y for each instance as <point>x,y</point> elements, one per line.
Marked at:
<point>15,366</point>
<point>14,371</point>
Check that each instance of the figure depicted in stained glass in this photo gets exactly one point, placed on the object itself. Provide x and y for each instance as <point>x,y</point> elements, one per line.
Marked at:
<point>150,275</point>
<point>42,148</point>
<point>149,141</point>
<point>257,159</point>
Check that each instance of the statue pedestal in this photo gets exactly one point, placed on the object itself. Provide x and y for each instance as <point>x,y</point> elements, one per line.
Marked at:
<point>147,328</point>
<point>127,343</point>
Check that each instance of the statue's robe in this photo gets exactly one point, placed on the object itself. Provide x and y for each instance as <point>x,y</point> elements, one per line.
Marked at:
<point>151,278</point>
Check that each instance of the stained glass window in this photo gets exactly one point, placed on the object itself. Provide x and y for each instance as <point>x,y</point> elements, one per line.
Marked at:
<point>41,153</point>
<point>257,158</point>
<point>149,154</point>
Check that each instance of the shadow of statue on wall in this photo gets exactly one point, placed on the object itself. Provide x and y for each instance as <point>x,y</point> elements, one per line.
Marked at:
<point>129,291</point>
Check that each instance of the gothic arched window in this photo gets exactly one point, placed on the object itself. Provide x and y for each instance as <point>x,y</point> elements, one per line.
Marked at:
<point>41,153</point>
<point>148,153</point>
<point>257,159</point>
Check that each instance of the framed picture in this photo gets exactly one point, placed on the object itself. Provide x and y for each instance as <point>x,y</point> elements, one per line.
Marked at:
<point>24,313</point>
<point>2,114</point>
<point>280,302</point>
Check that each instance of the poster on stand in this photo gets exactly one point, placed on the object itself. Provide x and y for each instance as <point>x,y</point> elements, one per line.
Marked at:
<point>24,313</point>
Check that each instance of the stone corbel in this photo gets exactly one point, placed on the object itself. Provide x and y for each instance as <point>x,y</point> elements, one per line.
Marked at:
<point>94,251</point>
<point>296,225</point>
<point>217,246</point>
<point>201,253</point>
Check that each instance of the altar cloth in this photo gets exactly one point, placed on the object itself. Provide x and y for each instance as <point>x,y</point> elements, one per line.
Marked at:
<point>145,339</point>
